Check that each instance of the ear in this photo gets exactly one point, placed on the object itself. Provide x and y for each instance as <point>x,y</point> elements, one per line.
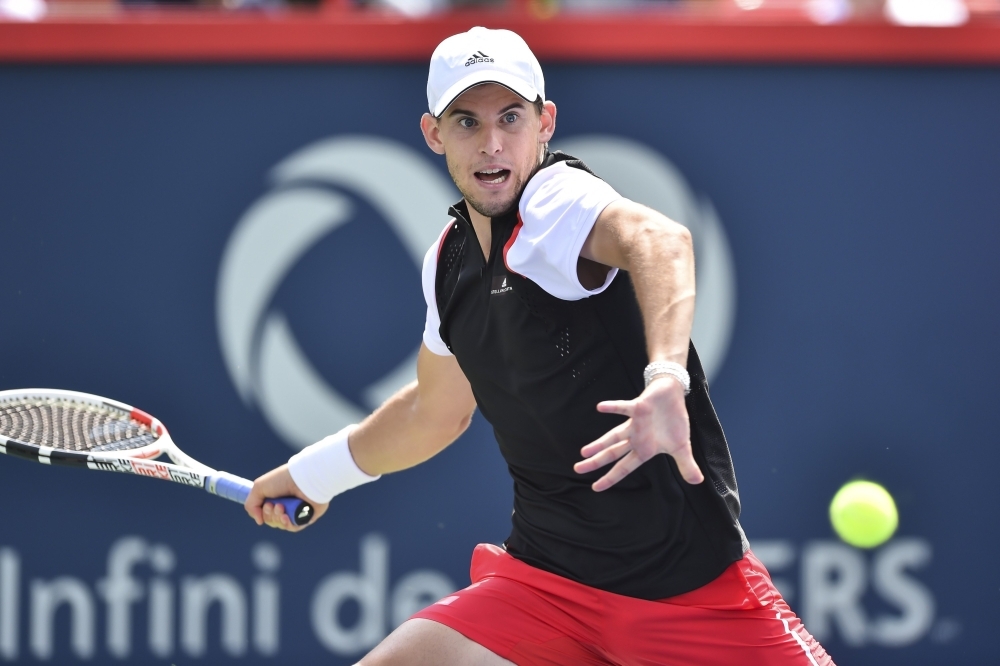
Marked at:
<point>432,133</point>
<point>548,122</point>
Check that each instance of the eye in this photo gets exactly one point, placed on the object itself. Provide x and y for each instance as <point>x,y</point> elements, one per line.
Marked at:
<point>510,117</point>
<point>467,123</point>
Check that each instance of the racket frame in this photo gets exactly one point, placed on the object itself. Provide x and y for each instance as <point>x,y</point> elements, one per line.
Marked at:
<point>140,461</point>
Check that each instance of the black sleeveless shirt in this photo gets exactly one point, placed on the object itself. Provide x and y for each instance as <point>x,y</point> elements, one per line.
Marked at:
<point>538,366</point>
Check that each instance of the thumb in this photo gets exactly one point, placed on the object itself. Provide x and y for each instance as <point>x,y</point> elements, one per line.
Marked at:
<point>276,483</point>
<point>254,504</point>
<point>687,466</point>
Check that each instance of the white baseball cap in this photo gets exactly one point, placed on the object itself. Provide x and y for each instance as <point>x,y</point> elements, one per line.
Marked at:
<point>482,56</point>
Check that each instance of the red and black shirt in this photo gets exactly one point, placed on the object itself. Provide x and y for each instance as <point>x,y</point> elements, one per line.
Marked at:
<point>540,352</point>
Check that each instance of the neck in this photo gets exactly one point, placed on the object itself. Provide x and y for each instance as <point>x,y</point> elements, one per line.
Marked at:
<point>482,224</point>
<point>483,228</point>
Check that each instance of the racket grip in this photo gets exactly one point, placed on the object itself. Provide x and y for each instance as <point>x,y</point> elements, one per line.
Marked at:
<point>237,489</point>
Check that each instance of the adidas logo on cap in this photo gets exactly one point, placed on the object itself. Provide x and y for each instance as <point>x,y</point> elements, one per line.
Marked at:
<point>478,57</point>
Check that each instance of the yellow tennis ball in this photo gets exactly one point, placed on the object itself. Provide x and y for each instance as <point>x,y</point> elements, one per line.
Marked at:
<point>863,514</point>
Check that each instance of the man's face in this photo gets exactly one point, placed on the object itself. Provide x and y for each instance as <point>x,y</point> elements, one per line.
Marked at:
<point>491,139</point>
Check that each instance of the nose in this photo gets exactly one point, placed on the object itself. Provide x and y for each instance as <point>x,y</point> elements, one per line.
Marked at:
<point>491,141</point>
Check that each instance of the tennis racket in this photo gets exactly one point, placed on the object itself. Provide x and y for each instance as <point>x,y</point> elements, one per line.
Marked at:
<point>81,430</point>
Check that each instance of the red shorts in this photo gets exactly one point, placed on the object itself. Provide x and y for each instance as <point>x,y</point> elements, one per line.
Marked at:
<point>534,618</point>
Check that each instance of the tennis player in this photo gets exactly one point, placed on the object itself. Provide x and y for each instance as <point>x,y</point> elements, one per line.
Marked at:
<point>563,311</point>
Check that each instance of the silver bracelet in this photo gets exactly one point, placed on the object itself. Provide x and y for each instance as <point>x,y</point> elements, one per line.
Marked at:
<point>675,370</point>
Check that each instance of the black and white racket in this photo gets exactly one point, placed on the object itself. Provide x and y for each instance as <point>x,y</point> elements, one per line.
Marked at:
<point>81,430</point>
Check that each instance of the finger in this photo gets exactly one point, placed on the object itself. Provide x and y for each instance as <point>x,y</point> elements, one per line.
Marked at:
<point>253,504</point>
<point>286,523</point>
<point>267,513</point>
<point>616,407</point>
<point>281,518</point>
<point>608,455</point>
<point>687,465</point>
<point>271,516</point>
<point>611,437</point>
<point>625,466</point>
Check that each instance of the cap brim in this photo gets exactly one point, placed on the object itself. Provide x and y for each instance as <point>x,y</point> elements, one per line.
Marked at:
<point>513,83</point>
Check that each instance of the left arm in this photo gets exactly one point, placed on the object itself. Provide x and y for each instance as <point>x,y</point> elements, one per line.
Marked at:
<point>659,256</point>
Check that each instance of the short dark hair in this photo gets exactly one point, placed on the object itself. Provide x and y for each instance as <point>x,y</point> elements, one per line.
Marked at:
<point>539,104</point>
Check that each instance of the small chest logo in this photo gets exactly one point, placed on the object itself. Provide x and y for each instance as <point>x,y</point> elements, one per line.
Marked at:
<point>500,285</point>
<point>478,57</point>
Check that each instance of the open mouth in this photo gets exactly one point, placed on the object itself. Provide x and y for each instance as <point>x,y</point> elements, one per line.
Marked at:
<point>492,176</point>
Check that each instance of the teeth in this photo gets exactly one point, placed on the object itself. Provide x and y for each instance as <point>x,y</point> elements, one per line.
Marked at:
<point>490,172</point>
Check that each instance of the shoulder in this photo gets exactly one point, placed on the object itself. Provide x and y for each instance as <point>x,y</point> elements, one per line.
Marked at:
<point>558,209</point>
<point>432,323</point>
<point>433,254</point>
<point>560,189</point>
<point>561,185</point>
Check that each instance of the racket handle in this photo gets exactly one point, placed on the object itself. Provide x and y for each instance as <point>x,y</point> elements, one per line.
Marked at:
<point>237,489</point>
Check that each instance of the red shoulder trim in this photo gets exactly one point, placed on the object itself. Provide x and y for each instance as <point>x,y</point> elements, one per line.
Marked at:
<point>444,234</point>
<point>510,243</point>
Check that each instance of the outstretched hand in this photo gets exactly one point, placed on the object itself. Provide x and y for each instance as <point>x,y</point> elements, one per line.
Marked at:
<point>277,483</point>
<point>658,423</point>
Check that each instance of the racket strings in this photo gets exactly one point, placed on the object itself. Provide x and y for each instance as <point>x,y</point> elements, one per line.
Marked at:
<point>72,426</point>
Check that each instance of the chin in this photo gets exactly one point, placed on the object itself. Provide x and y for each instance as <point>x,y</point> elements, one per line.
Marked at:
<point>491,208</point>
<point>496,205</point>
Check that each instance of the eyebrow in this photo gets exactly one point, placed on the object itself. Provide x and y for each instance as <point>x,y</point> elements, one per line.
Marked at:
<point>464,112</point>
<point>515,105</point>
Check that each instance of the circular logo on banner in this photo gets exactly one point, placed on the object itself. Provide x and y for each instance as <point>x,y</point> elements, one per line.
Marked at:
<point>268,365</point>
<point>264,359</point>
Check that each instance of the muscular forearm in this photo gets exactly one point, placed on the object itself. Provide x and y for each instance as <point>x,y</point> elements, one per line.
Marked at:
<point>661,263</point>
<point>659,256</point>
<point>402,433</point>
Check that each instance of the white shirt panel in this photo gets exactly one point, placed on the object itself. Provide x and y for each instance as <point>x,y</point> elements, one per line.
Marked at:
<point>558,209</point>
<point>432,324</point>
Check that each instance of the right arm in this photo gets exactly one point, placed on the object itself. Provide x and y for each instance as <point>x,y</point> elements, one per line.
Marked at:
<point>419,421</point>
<point>412,426</point>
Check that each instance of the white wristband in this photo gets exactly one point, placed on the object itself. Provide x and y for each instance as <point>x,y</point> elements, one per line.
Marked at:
<point>325,469</point>
<point>675,370</point>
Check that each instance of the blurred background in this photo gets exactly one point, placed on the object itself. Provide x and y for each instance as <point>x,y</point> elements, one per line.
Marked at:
<point>902,12</point>
<point>215,210</point>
